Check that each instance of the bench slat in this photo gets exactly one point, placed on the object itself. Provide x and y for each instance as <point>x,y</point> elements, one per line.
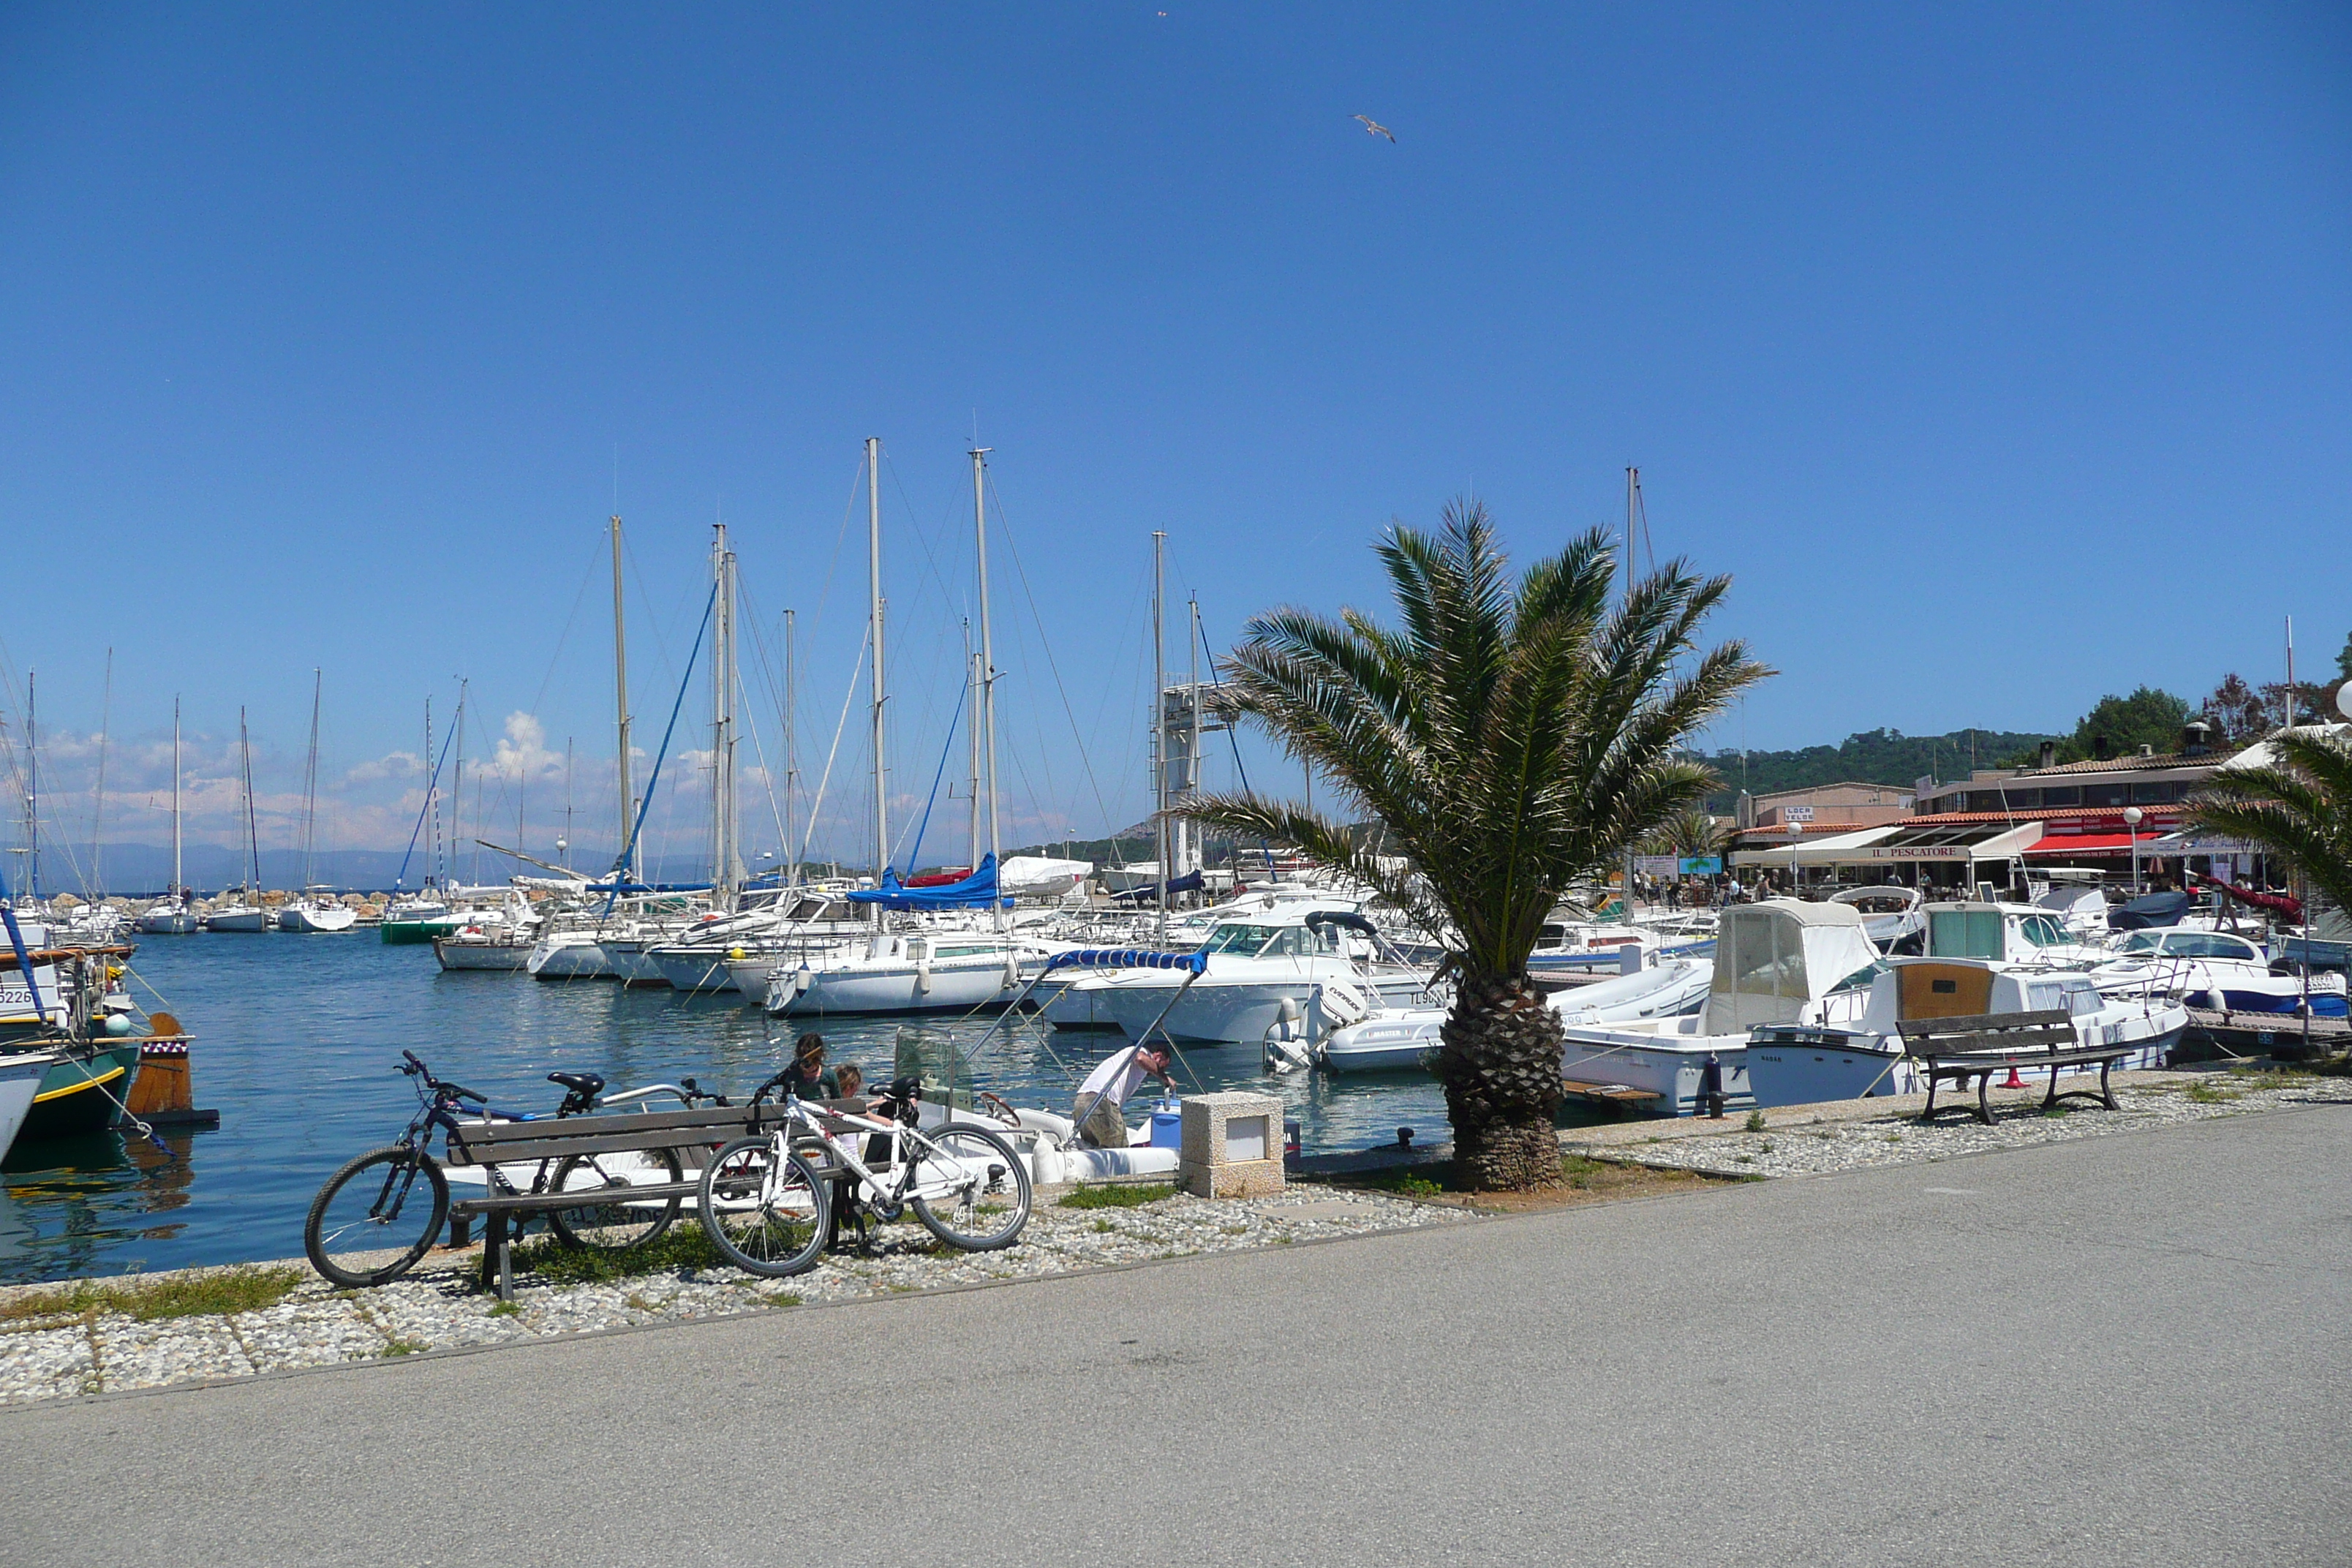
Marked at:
<point>514,1143</point>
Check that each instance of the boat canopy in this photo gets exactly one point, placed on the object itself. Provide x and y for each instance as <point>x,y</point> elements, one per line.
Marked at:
<point>2155,909</point>
<point>1127,958</point>
<point>974,892</point>
<point>1772,958</point>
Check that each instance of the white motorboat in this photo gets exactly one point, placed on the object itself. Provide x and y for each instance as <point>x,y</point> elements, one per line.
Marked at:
<point>1797,1064</point>
<point>1403,1040</point>
<point>2213,969</point>
<point>1257,962</point>
<point>20,1079</point>
<point>1778,961</point>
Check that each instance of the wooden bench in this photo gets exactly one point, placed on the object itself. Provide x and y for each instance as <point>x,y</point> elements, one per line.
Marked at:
<point>1953,1050</point>
<point>543,1144</point>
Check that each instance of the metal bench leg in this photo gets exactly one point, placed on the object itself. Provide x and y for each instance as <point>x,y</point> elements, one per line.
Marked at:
<point>2050,1099</point>
<point>461,1229</point>
<point>498,1272</point>
<point>1984,1098</point>
<point>2104,1092</point>
<point>1930,1114</point>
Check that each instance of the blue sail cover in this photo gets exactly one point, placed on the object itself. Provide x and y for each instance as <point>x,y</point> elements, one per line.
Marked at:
<point>1127,958</point>
<point>973,893</point>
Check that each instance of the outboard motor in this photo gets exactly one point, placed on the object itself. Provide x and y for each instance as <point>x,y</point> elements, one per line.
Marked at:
<point>1285,1047</point>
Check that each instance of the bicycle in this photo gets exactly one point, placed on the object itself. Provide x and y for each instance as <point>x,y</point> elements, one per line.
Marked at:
<point>370,1225</point>
<point>771,1212</point>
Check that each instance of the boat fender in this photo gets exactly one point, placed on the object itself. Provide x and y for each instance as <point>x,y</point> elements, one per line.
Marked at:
<point>801,980</point>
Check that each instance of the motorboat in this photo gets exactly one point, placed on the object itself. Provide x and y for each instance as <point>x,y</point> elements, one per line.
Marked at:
<point>1778,962</point>
<point>2012,933</point>
<point>1402,1039</point>
<point>1801,1064</point>
<point>2216,970</point>
<point>1256,960</point>
<point>1891,914</point>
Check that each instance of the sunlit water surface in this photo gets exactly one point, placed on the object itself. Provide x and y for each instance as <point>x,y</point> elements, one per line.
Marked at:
<point>296,1043</point>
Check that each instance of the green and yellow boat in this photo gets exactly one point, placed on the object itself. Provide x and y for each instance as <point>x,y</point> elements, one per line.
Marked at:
<point>84,1092</point>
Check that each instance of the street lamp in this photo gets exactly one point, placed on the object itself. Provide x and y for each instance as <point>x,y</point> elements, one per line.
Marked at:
<point>2132,815</point>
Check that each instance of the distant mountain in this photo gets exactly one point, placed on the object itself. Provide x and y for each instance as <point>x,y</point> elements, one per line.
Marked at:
<point>1875,757</point>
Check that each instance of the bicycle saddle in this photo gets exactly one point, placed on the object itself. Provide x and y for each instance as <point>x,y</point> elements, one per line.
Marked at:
<point>587,1084</point>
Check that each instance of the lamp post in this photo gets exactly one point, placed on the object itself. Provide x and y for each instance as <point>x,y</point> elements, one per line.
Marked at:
<point>2132,814</point>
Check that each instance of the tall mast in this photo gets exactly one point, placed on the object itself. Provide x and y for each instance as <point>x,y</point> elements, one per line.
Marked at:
<point>987,666</point>
<point>626,857</point>
<point>874,575</point>
<point>791,765</point>
<point>252,833</point>
<point>1160,718</point>
<point>32,786</point>
<point>106,726</point>
<point>1632,504</point>
<point>723,852</point>
<point>1193,858</point>
<point>432,797</point>
<point>311,784</point>
<point>971,734</point>
<point>456,790</point>
<point>176,796</point>
<point>564,844</point>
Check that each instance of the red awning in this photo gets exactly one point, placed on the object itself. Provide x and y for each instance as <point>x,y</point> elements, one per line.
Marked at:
<point>2094,844</point>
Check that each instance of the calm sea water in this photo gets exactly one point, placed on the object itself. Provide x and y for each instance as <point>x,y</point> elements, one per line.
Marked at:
<point>296,1043</point>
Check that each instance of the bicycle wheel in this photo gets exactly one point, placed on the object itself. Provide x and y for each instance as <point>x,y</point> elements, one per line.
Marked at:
<point>767,1213</point>
<point>969,1189</point>
<point>615,1222</point>
<point>371,1223</point>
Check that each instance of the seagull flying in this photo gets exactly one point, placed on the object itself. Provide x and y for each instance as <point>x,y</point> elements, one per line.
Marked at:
<point>1375,128</point>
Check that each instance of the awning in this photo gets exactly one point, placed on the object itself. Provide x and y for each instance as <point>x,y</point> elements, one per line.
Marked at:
<point>2092,844</point>
<point>1816,851</point>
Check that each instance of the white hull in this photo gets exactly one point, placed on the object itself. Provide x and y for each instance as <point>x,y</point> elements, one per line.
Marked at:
<point>168,923</point>
<point>1212,1012</point>
<point>20,1079</point>
<point>316,918</point>
<point>1669,1063</point>
<point>698,969</point>
<point>507,957</point>
<point>569,955</point>
<point>629,962</point>
<point>948,985</point>
<point>238,920</point>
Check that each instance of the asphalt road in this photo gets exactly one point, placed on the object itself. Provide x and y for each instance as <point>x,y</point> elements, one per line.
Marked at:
<point>2122,1350</point>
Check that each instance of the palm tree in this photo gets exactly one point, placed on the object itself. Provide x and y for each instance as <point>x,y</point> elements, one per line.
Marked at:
<point>1693,835</point>
<point>2297,805</point>
<point>1512,739</point>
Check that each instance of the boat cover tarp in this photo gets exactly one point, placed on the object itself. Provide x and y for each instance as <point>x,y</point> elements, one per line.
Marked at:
<point>974,892</point>
<point>2155,909</point>
<point>1772,958</point>
<point>1189,882</point>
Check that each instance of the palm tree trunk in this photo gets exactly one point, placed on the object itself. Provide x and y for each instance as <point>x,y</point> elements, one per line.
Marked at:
<point>1500,1065</point>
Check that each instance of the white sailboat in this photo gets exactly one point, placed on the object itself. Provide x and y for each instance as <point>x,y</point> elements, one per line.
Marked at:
<point>174,913</point>
<point>311,911</point>
<point>244,914</point>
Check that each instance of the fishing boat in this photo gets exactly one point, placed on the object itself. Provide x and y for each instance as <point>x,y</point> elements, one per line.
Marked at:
<point>21,1074</point>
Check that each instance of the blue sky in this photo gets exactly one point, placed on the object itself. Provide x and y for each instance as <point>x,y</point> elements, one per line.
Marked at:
<point>2004,357</point>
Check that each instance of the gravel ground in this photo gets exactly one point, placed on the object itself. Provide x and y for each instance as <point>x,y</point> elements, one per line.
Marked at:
<point>1809,1149</point>
<point>104,1352</point>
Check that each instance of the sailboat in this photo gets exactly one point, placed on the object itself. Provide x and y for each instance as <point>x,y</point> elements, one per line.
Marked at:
<point>923,970</point>
<point>245,914</point>
<point>174,913</point>
<point>313,911</point>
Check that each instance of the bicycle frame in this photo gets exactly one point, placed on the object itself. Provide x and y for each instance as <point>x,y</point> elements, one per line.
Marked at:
<point>887,1201</point>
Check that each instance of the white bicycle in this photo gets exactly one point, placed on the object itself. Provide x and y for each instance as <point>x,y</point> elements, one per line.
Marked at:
<point>772,1211</point>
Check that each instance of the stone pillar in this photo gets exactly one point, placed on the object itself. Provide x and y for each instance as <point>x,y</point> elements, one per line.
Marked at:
<point>1231,1146</point>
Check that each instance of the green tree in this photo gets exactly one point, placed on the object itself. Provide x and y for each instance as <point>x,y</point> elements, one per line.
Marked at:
<point>2123,724</point>
<point>2298,807</point>
<point>2344,659</point>
<point>1693,835</point>
<point>1512,739</point>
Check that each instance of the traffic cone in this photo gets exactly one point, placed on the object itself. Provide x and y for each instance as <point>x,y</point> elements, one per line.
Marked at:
<point>2014,1082</point>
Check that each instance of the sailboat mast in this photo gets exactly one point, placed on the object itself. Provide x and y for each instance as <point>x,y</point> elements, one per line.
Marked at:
<point>1632,504</point>
<point>874,576</point>
<point>98,801</point>
<point>310,784</point>
<point>32,786</point>
<point>176,890</point>
<point>791,760</point>
<point>457,791</point>
<point>1194,858</point>
<point>987,667</point>
<point>1159,716</point>
<point>724,853</point>
<point>252,832</point>
<point>626,855</point>
<point>971,735</point>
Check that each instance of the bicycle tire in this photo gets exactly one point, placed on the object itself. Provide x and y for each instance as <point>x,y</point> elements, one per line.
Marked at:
<point>612,1227</point>
<point>1000,1168</point>
<point>774,1228</point>
<point>341,1260</point>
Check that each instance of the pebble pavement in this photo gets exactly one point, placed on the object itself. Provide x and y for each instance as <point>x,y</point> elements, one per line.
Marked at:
<point>1798,1147</point>
<point>439,1308</point>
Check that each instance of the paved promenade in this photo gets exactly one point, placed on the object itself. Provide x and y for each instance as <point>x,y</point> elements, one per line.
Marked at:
<point>2119,1350</point>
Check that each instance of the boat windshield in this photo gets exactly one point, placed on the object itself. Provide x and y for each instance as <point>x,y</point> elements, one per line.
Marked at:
<point>2042,930</point>
<point>1248,940</point>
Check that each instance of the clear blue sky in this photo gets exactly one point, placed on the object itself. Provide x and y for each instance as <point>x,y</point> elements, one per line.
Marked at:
<point>2003,355</point>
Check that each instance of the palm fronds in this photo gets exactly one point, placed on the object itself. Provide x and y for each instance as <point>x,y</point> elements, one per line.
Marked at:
<point>2298,807</point>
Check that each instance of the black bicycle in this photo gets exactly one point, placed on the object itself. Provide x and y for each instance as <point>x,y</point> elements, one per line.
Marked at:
<point>380,1214</point>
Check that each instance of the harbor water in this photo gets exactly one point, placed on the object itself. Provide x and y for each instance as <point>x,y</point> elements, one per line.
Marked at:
<point>298,1039</point>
